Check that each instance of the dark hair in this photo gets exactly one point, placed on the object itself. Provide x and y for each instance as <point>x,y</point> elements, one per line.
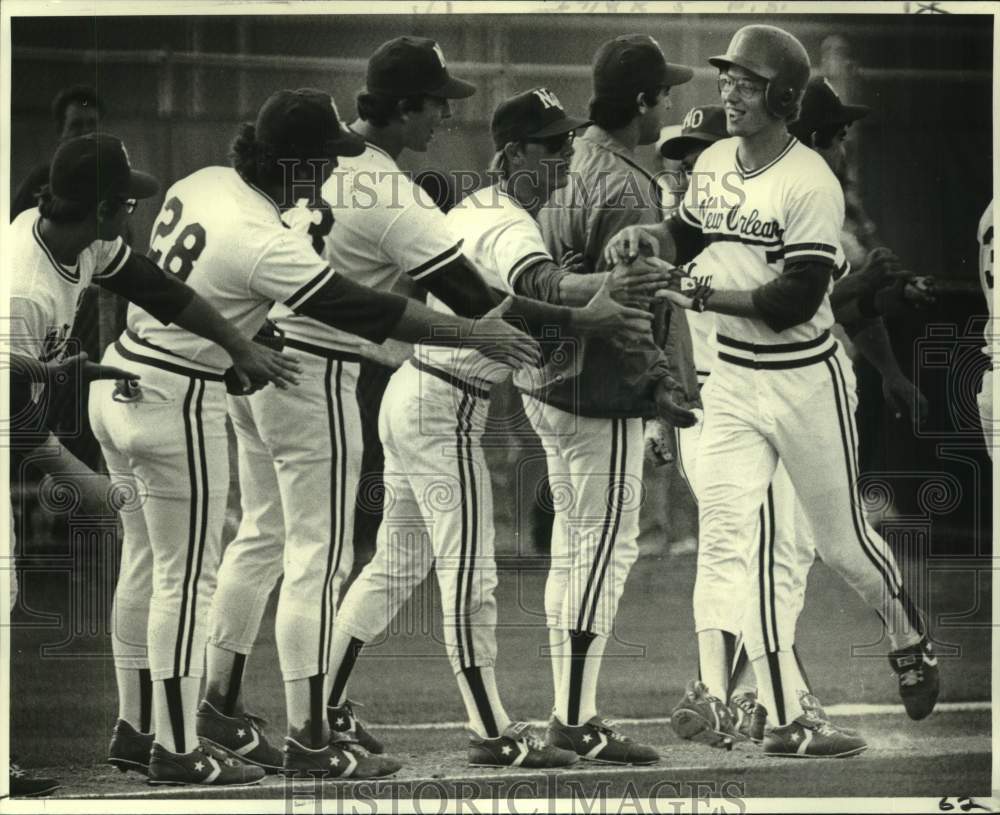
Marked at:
<point>380,110</point>
<point>614,114</point>
<point>252,160</point>
<point>77,94</point>
<point>59,210</point>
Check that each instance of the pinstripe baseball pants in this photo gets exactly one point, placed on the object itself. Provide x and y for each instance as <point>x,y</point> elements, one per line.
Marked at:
<point>438,512</point>
<point>299,462</point>
<point>595,474</point>
<point>169,443</point>
<point>803,414</point>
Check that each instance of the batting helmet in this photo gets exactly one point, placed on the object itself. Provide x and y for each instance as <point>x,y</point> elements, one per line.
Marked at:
<point>774,55</point>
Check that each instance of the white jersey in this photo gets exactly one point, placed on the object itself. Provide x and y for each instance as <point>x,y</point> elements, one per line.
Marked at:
<point>382,226</point>
<point>500,239</point>
<point>754,222</point>
<point>226,240</point>
<point>44,293</point>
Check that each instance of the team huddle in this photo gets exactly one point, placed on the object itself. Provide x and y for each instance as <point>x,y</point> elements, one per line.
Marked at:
<point>700,333</point>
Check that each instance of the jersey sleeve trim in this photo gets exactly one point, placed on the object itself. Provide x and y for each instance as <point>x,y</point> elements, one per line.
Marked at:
<point>428,267</point>
<point>309,289</point>
<point>843,269</point>
<point>812,252</point>
<point>688,216</point>
<point>117,262</point>
<point>528,260</point>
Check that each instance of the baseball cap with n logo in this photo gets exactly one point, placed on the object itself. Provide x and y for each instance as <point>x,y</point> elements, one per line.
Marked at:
<point>413,66</point>
<point>534,114</point>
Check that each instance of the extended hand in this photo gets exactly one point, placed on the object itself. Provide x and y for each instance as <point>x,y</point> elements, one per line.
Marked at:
<point>79,368</point>
<point>623,325</point>
<point>499,340</point>
<point>630,243</point>
<point>254,365</point>
<point>903,397</point>
<point>667,399</point>
<point>635,283</point>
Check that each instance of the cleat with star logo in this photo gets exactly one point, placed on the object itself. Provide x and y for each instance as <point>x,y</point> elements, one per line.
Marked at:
<point>916,670</point>
<point>129,749</point>
<point>703,718</point>
<point>335,761</point>
<point>241,736</point>
<point>809,737</point>
<point>596,740</point>
<point>346,727</point>
<point>751,716</point>
<point>204,766</point>
<point>518,746</point>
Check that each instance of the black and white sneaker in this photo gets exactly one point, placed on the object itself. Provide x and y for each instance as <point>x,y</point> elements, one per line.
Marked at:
<point>518,746</point>
<point>916,670</point>
<point>597,740</point>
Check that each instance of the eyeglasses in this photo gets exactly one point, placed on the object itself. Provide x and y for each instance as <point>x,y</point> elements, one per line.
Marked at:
<point>129,204</point>
<point>746,88</point>
<point>554,144</point>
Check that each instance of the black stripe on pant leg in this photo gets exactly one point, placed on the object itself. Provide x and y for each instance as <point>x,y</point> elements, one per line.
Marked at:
<point>192,524</point>
<point>465,532</point>
<point>761,572</point>
<point>852,447</point>
<point>343,454</point>
<point>912,613</point>
<point>845,442</point>
<point>316,715</point>
<point>802,669</point>
<point>235,682</point>
<point>770,569</point>
<point>145,701</point>
<point>202,530</point>
<point>774,670</point>
<point>474,677</point>
<point>579,644</point>
<point>473,538</point>
<point>738,664</point>
<point>582,623</point>
<point>175,709</point>
<point>325,607</point>
<point>612,538</point>
<point>344,670</point>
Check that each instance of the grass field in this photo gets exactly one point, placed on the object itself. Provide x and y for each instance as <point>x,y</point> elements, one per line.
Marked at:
<point>65,708</point>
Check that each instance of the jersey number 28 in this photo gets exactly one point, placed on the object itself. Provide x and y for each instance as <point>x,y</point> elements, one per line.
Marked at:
<point>187,246</point>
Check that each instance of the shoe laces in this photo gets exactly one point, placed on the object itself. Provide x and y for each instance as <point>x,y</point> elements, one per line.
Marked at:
<point>607,726</point>
<point>258,723</point>
<point>821,726</point>
<point>745,703</point>
<point>16,771</point>
<point>810,704</point>
<point>912,677</point>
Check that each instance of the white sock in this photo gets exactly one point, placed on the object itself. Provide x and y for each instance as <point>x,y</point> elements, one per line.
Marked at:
<point>714,660</point>
<point>487,717</point>
<point>130,697</point>
<point>190,690</point>
<point>558,640</point>
<point>779,682</point>
<point>576,701</point>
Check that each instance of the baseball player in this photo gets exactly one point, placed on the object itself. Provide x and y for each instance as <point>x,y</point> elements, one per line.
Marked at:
<point>591,428</point>
<point>432,420</point>
<point>220,229</point>
<point>782,389</point>
<point>985,398</point>
<point>376,225</point>
<point>73,239</point>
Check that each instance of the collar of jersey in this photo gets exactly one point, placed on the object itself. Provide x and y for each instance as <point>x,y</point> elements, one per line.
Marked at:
<point>745,174</point>
<point>600,137</point>
<point>508,196</point>
<point>371,146</point>
<point>71,275</point>
<point>267,198</point>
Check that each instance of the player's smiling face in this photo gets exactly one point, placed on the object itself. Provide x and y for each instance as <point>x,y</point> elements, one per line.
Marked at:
<point>742,95</point>
<point>421,124</point>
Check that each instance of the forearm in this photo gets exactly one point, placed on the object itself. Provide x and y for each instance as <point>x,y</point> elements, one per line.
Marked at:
<point>734,303</point>
<point>419,323</point>
<point>579,289</point>
<point>201,318</point>
<point>872,341</point>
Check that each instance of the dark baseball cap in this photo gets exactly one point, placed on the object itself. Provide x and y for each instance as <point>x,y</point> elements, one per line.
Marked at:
<point>304,123</point>
<point>534,114</point>
<point>413,66</point>
<point>702,126</point>
<point>631,63</point>
<point>95,167</point>
<point>821,107</point>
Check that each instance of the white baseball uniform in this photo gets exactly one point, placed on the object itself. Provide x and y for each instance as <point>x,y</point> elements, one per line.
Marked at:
<point>225,238</point>
<point>439,500</point>
<point>300,450</point>
<point>985,398</point>
<point>788,396</point>
<point>44,295</point>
